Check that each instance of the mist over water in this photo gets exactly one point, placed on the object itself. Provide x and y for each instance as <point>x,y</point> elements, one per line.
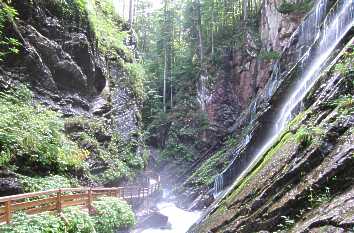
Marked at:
<point>179,219</point>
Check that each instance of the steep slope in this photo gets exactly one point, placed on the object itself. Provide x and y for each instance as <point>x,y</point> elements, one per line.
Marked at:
<point>302,179</point>
<point>77,58</point>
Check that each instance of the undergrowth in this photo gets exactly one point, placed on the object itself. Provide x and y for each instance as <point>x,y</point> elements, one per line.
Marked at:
<point>32,137</point>
<point>110,216</point>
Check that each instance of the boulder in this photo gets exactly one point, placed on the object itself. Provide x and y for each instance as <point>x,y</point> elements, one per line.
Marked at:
<point>154,220</point>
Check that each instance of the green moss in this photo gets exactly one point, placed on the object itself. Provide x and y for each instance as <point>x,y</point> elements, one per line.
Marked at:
<point>204,175</point>
<point>285,138</point>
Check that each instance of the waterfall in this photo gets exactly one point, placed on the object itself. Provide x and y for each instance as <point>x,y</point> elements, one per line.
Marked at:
<point>203,92</point>
<point>318,37</point>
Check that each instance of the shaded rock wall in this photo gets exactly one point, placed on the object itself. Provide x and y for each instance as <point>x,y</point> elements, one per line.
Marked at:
<point>62,65</point>
<point>245,73</point>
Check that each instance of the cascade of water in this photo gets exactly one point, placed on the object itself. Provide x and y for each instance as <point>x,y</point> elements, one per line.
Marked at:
<point>203,96</point>
<point>218,184</point>
<point>316,43</point>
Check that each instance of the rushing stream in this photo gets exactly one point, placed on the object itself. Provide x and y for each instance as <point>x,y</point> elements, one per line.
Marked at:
<point>180,220</point>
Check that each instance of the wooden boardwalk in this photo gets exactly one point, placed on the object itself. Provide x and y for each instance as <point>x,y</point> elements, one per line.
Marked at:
<point>57,199</point>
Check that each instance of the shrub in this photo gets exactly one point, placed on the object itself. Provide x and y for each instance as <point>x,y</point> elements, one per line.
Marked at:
<point>112,214</point>
<point>137,78</point>
<point>41,223</point>
<point>8,45</point>
<point>305,135</point>
<point>78,221</point>
<point>35,184</point>
<point>32,136</point>
<point>107,25</point>
<point>298,7</point>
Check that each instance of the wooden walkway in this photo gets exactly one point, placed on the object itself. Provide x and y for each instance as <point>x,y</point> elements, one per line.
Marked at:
<point>57,199</point>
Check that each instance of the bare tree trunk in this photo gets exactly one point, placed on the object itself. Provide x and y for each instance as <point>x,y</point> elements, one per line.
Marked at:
<point>164,81</point>
<point>131,6</point>
<point>245,9</point>
<point>212,29</point>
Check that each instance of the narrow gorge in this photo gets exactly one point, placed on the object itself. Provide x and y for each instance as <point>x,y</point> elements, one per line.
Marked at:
<point>242,109</point>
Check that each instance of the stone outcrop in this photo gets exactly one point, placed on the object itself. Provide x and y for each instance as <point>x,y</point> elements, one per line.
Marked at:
<point>306,185</point>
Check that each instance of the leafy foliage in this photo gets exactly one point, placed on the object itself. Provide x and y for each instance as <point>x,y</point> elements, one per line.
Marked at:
<point>112,215</point>
<point>298,7</point>
<point>205,174</point>
<point>36,184</point>
<point>31,136</point>
<point>8,45</point>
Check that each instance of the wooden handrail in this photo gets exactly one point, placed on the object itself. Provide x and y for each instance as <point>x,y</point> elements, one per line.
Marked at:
<point>57,199</point>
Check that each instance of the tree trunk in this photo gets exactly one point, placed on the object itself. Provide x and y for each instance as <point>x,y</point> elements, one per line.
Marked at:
<point>131,8</point>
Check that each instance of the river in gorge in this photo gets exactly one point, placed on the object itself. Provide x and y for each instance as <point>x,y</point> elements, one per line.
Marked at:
<point>179,220</point>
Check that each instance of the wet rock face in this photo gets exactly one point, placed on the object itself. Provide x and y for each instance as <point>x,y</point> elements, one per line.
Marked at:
<point>300,185</point>
<point>244,73</point>
<point>67,73</point>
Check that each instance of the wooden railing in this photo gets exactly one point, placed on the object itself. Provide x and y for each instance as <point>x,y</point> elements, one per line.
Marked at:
<point>56,200</point>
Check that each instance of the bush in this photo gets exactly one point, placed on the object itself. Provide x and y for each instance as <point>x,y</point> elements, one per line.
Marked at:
<point>8,45</point>
<point>35,184</point>
<point>136,77</point>
<point>299,7</point>
<point>112,214</point>
<point>78,221</point>
<point>41,223</point>
<point>31,136</point>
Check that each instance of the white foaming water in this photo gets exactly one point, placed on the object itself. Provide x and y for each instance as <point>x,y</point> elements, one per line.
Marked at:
<point>179,219</point>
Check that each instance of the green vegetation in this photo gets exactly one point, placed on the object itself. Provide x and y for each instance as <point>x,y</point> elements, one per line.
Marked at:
<point>345,65</point>
<point>118,155</point>
<point>286,225</point>
<point>111,215</point>
<point>136,75</point>
<point>36,184</point>
<point>345,104</point>
<point>31,136</point>
<point>269,55</point>
<point>8,45</point>
<point>279,147</point>
<point>298,7</point>
<point>204,175</point>
<point>108,26</point>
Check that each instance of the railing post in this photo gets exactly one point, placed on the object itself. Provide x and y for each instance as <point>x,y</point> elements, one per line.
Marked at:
<point>8,211</point>
<point>123,189</point>
<point>59,201</point>
<point>89,200</point>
